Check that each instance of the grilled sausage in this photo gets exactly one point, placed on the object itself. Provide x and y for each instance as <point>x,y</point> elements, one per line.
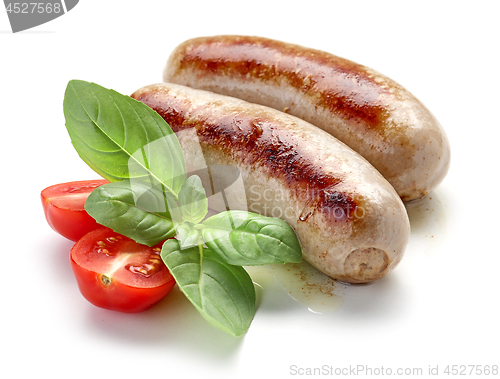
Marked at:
<point>369,112</point>
<point>351,223</point>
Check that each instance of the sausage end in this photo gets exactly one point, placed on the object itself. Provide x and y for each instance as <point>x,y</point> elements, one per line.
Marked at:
<point>366,265</point>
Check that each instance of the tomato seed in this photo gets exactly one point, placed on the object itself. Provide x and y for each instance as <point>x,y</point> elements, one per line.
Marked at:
<point>105,251</point>
<point>146,269</point>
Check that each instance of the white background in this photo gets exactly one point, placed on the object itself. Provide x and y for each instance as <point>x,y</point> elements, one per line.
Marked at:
<point>438,308</point>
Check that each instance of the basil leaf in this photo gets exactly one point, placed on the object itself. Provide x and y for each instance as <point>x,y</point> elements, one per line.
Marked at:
<point>247,239</point>
<point>121,138</point>
<point>193,200</point>
<point>174,209</point>
<point>223,294</point>
<point>187,235</point>
<point>136,210</point>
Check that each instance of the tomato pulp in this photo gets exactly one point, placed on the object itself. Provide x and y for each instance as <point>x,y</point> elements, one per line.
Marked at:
<point>63,205</point>
<point>114,272</point>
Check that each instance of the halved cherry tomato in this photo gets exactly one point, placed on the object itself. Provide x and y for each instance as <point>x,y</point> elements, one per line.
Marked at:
<point>63,205</point>
<point>114,272</point>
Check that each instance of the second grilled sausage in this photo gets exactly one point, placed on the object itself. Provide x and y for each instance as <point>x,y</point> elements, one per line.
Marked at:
<point>371,113</point>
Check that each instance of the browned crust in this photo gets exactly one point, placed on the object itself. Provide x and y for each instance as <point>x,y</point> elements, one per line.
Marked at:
<point>259,141</point>
<point>339,85</point>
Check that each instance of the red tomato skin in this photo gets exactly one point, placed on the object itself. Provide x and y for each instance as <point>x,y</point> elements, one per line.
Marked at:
<point>71,222</point>
<point>116,296</point>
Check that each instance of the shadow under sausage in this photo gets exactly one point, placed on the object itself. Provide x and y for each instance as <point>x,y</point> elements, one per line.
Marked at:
<point>428,222</point>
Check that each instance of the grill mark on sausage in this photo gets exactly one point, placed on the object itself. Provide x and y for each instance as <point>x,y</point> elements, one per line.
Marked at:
<point>338,84</point>
<point>341,206</point>
<point>258,141</point>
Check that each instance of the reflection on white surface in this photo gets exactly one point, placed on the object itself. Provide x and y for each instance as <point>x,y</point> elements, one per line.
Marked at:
<point>311,288</point>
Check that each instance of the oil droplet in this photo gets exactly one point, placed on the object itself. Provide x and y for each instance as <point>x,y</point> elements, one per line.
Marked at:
<point>307,211</point>
<point>304,217</point>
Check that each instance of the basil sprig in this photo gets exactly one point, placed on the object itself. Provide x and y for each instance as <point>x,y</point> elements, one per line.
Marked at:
<point>151,199</point>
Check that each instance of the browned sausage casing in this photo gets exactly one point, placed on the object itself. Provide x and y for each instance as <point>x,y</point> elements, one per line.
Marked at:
<point>369,112</point>
<point>350,221</point>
